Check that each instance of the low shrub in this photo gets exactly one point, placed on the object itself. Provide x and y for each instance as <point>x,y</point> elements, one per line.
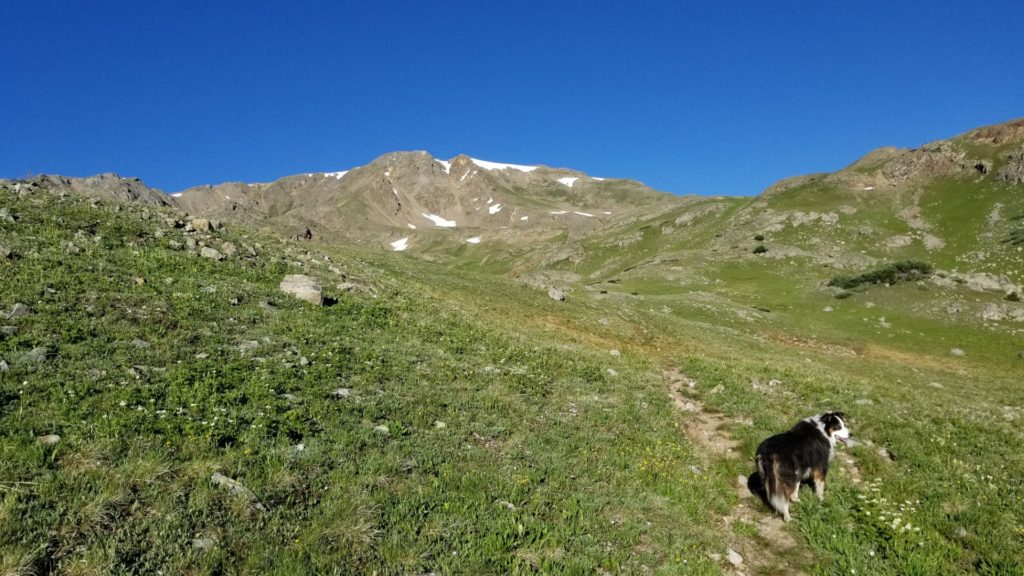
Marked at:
<point>907,270</point>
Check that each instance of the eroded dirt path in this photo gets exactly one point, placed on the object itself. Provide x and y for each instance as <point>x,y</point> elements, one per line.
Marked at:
<point>763,544</point>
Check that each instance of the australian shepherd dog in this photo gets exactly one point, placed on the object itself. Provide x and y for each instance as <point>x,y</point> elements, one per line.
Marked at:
<point>800,454</point>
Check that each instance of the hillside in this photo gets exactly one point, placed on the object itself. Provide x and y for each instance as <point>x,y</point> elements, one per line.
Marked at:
<point>165,407</point>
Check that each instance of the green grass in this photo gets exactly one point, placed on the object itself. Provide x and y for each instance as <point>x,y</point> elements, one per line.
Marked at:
<point>555,455</point>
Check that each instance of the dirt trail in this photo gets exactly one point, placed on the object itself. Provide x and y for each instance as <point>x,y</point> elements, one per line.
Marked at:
<point>772,549</point>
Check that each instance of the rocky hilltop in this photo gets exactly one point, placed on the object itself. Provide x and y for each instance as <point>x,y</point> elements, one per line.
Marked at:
<point>418,198</point>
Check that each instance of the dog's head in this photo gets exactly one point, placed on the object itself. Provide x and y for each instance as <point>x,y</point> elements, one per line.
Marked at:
<point>834,424</point>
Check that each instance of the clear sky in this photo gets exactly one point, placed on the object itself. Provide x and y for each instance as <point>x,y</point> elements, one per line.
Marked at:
<point>688,97</point>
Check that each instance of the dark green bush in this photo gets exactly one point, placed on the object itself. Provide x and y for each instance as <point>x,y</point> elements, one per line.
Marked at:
<point>760,249</point>
<point>759,237</point>
<point>1013,297</point>
<point>897,272</point>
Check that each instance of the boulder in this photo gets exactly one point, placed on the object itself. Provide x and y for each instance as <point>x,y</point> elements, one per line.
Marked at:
<point>210,253</point>
<point>556,294</point>
<point>200,225</point>
<point>19,310</point>
<point>304,288</point>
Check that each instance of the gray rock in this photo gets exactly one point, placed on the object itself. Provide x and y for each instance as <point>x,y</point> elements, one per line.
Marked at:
<point>734,558</point>
<point>615,353</point>
<point>175,245</point>
<point>236,488</point>
<point>48,440</point>
<point>203,544</point>
<point>957,351</point>
<point>5,252</point>
<point>36,354</point>
<point>4,368</point>
<point>9,330</point>
<point>199,225</point>
<point>19,310</point>
<point>440,425</point>
<point>190,243</point>
<point>556,294</point>
<point>210,253</point>
<point>248,346</point>
<point>303,287</point>
<point>382,429</point>
<point>140,343</point>
<point>229,249</point>
<point>341,393</point>
<point>960,533</point>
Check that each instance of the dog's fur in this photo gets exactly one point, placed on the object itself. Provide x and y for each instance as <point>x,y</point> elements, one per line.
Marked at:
<point>802,453</point>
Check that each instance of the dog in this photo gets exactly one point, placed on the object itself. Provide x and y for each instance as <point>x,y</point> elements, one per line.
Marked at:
<point>799,454</point>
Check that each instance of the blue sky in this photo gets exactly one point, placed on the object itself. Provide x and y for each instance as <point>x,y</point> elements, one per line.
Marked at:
<point>710,98</point>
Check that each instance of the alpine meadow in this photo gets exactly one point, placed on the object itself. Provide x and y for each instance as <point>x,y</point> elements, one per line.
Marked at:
<point>454,366</point>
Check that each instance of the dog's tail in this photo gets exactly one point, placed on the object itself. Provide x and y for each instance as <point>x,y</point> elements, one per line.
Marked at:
<point>774,488</point>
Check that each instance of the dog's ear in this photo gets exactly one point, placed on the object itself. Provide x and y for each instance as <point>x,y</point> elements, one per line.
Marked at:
<point>840,415</point>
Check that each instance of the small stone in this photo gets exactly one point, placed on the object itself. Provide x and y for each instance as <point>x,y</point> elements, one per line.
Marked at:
<point>885,453</point>
<point>175,245</point>
<point>48,440</point>
<point>190,243</point>
<point>936,385</point>
<point>960,533</point>
<point>300,447</point>
<point>139,281</point>
<point>827,309</point>
<point>19,310</point>
<point>140,343</point>
<point>236,488</point>
<point>203,544</point>
<point>440,425</point>
<point>556,294</point>
<point>957,351</point>
<point>4,368</point>
<point>742,491</point>
<point>612,372</point>
<point>202,356</point>
<point>382,429</point>
<point>200,225</point>
<point>5,252</point>
<point>291,398</point>
<point>248,346</point>
<point>303,361</point>
<point>734,558</point>
<point>229,249</point>
<point>210,253</point>
<point>37,354</point>
<point>690,407</point>
<point>341,393</point>
<point>615,353</point>
<point>864,401</point>
<point>235,301</point>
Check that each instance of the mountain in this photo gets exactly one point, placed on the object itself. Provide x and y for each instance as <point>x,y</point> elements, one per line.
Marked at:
<point>430,202</point>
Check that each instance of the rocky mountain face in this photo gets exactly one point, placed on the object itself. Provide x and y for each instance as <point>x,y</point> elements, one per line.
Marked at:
<point>421,199</point>
<point>106,186</point>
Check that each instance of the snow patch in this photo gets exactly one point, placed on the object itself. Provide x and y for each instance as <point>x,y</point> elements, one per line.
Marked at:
<point>400,245</point>
<point>412,226</point>
<point>498,166</point>
<point>568,181</point>
<point>447,165</point>
<point>336,175</point>
<point>584,214</point>
<point>598,179</point>
<point>467,174</point>
<point>489,200</point>
<point>607,212</point>
<point>560,212</point>
<point>525,218</point>
<point>494,209</point>
<point>439,221</point>
<point>474,240</point>
<point>177,194</point>
<point>869,187</point>
<point>226,197</point>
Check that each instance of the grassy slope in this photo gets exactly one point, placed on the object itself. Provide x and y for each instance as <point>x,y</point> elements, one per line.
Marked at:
<point>547,461</point>
<point>594,464</point>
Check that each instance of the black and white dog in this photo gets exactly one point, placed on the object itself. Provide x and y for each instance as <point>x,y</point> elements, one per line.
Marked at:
<point>802,453</point>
